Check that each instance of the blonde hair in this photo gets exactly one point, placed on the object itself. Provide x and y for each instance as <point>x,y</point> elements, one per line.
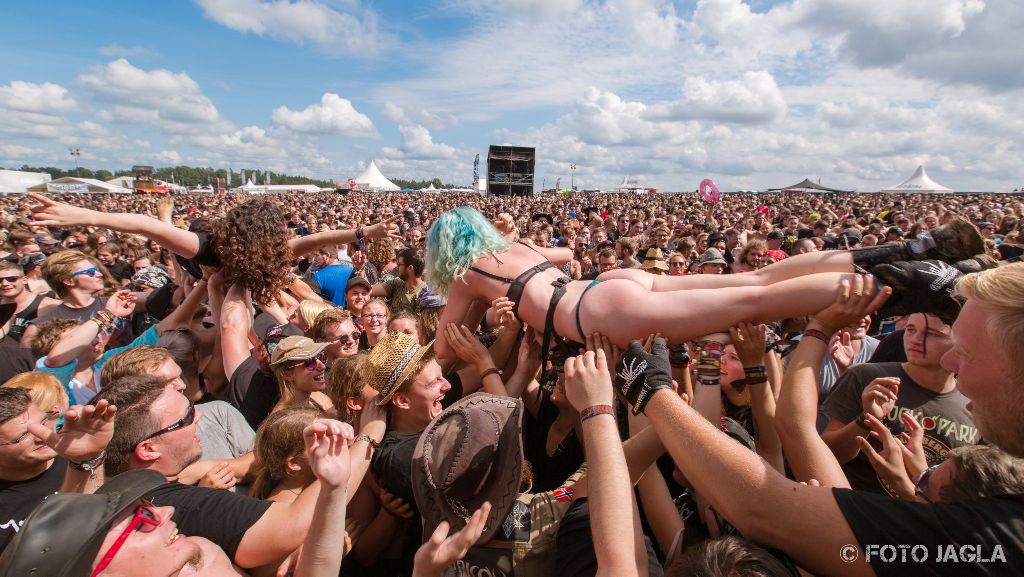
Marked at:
<point>309,309</point>
<point>58,268</point>
<point>140,360</point>
<point>278,438</point>
<point>44,389</point>
<point>1000,290</point>
<point>344,381</point>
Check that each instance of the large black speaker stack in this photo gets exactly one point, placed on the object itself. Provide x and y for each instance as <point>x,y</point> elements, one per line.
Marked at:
<point>510,170</point>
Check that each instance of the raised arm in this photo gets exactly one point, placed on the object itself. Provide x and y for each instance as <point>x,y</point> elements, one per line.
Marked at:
<point>803,521</point>
<point>183,313</point>
<point>749,341</point>
<point>327,452</point>
<point>588,386</point>
<point>49,212</point>
<point>307,244</point>
<point>235,324</point>
<point>73,342</point>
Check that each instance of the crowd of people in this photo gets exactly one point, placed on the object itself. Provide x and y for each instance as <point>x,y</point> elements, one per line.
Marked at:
<point>379,384</point>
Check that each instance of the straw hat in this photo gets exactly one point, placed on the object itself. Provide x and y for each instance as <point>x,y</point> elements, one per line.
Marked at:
<point>654,258</point>
<point>391,362</point>
<point>471,453</point>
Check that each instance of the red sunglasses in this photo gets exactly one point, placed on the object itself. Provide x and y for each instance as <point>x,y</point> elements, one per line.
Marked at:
<point>145,514</point>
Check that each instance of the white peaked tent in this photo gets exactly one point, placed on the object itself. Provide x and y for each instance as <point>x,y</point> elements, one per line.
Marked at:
<point>19,181</point>
<point>919,182</point>
<point>371,179</point>
<point>430,188</point>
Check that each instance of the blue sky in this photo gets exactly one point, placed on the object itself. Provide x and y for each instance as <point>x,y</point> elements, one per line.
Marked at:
<point>753,94</point>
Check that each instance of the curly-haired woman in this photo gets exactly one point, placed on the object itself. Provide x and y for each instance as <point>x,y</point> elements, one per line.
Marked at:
<point>251,244</point>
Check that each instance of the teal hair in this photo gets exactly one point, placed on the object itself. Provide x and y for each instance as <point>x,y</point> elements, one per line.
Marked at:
<point>455,241</point>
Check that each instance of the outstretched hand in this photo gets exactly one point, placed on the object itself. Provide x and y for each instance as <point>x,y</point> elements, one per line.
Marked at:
<point>50,212</point>
<point>858,297</point>
<point>387,228</point>
<point>748,340</point>
<point>587,380</point>
<point>887,463</point>
<point>467,346</point>
<point>441,550</point>
<point>327,444</point>
<point>640,374</point>
<point>121,303</point>
<point>86,432</point>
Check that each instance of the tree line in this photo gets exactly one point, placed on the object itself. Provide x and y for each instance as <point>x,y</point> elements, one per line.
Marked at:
<point>201,176</point>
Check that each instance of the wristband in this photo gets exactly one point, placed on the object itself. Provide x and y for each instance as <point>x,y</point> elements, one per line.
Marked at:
<point>490,371</point>
<point>709,363</point>
<point>369,440</point>
<point>596,410</point>
<point>862,422</point>
<point>90,465</point>
<point>755,375</point>
<point>816,334</point>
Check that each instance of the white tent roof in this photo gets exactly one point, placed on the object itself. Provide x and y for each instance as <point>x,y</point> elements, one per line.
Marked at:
<point>79,185</point>
<point>430,188</point>
<point>276,188</point>
<point>372,179</point>
<point>19,181</point>
<point>919,182</point>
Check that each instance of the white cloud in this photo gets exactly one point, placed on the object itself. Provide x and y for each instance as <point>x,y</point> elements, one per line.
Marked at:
<point>334,115</point>
<point>168,157</point>
<point>755,99</point>
<point>171,101</point>
<point>418,144</point>
<point>45,98</point>
<point>301,22</point>
<point>14,151</point>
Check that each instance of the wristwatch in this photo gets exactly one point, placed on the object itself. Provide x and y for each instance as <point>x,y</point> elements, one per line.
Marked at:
<point>91,465</point>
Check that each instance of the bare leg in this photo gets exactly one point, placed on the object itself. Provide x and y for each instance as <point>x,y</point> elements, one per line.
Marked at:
<point>687,314</point>
<point>797,266</point>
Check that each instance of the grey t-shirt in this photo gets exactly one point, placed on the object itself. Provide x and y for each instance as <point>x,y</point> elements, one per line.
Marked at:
<point>223,432</point>
<point>946,421</point>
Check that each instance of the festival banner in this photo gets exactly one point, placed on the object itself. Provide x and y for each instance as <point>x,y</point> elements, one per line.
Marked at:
<point>57,187</point>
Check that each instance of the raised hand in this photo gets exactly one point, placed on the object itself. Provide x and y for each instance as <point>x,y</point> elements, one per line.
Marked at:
<point>50,212</point>
<point>879,397</point>
<point>528,360</point>
<point>640,374</point>
<point>842,351</point>
<point>467,346</point>
<point>748,340</point>
<point>387,228</point>
<point>165,208</point>
<point>587,381</point>
<point>441,550</point>
<point>219,476</point>
<point>86,432</point>
<point>914,458</point>
<point>888,462</point>
<point>121,303</point>
<point>502,307</point>
<point>858,297</point>
<point>327,444</point>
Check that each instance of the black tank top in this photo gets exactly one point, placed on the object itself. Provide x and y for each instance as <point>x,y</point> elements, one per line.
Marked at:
<point>21,319</point>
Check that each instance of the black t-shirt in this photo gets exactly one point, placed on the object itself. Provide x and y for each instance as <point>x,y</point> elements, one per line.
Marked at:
<point>549,472</point>
<point>947,535</point>
<point>120,270</point>
<point>253,393</point>
<point>392,464</point>
<point>21,321</point>
<point>946,421</point>
<point>205,256</point>
<point>19,498</point>
<point>15,359</point>
<point>220,516</point>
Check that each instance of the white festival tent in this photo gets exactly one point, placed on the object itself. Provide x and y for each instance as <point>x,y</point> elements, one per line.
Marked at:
<point>430,188</point>
<point>919,182</point>
<point>20,181</point>
<point>79,185</point>
<point>253,188</point>
<point>371,179</point>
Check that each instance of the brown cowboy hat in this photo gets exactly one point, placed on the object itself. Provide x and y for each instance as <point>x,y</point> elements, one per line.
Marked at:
<point>471,453</point>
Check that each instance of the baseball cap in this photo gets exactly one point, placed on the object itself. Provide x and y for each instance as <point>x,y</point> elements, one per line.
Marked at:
<point>295,349</point>
<point>358,281</point>
<point>852,234</point>
<point>895,230</point>
<point>63,535</point>
<point>45,238</point>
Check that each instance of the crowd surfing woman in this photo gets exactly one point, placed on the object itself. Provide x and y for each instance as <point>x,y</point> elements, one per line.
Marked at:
<point>470,261</point>
<point>251,244</point>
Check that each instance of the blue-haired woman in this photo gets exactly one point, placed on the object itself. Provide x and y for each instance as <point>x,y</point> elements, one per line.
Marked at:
<point>470,261</point>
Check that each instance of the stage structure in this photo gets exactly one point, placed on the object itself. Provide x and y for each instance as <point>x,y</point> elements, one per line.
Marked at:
<point>510,170</point>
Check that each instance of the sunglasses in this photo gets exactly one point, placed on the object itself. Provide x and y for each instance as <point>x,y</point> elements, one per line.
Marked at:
<point>91,271</point>
<point>921,486</point>
<point>311,364</point>
<point>352,337</point>
<point>145,514</point>
<point>10,279</point>
<point>188,419</point>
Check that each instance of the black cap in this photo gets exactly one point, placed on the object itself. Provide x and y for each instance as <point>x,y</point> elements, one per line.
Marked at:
<point>804,233</point>
<point>895,230</point>
<point>63,535</point>
<point>358,281</point>
<point>776,235</point>
<point>266,328</point>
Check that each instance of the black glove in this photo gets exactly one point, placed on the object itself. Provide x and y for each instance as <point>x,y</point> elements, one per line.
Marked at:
<point>640,374</point>
<point>920,287</point>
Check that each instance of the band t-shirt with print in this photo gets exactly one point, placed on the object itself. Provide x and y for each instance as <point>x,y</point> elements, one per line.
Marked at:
<point>946,421</point>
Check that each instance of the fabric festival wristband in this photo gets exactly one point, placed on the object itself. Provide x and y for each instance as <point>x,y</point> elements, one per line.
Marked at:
<point>369,440</point>
<point>709,363</point>
<point>596,410</point>
<point>816,334</point>
<point>755,375</point>
<point>490,371</point>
